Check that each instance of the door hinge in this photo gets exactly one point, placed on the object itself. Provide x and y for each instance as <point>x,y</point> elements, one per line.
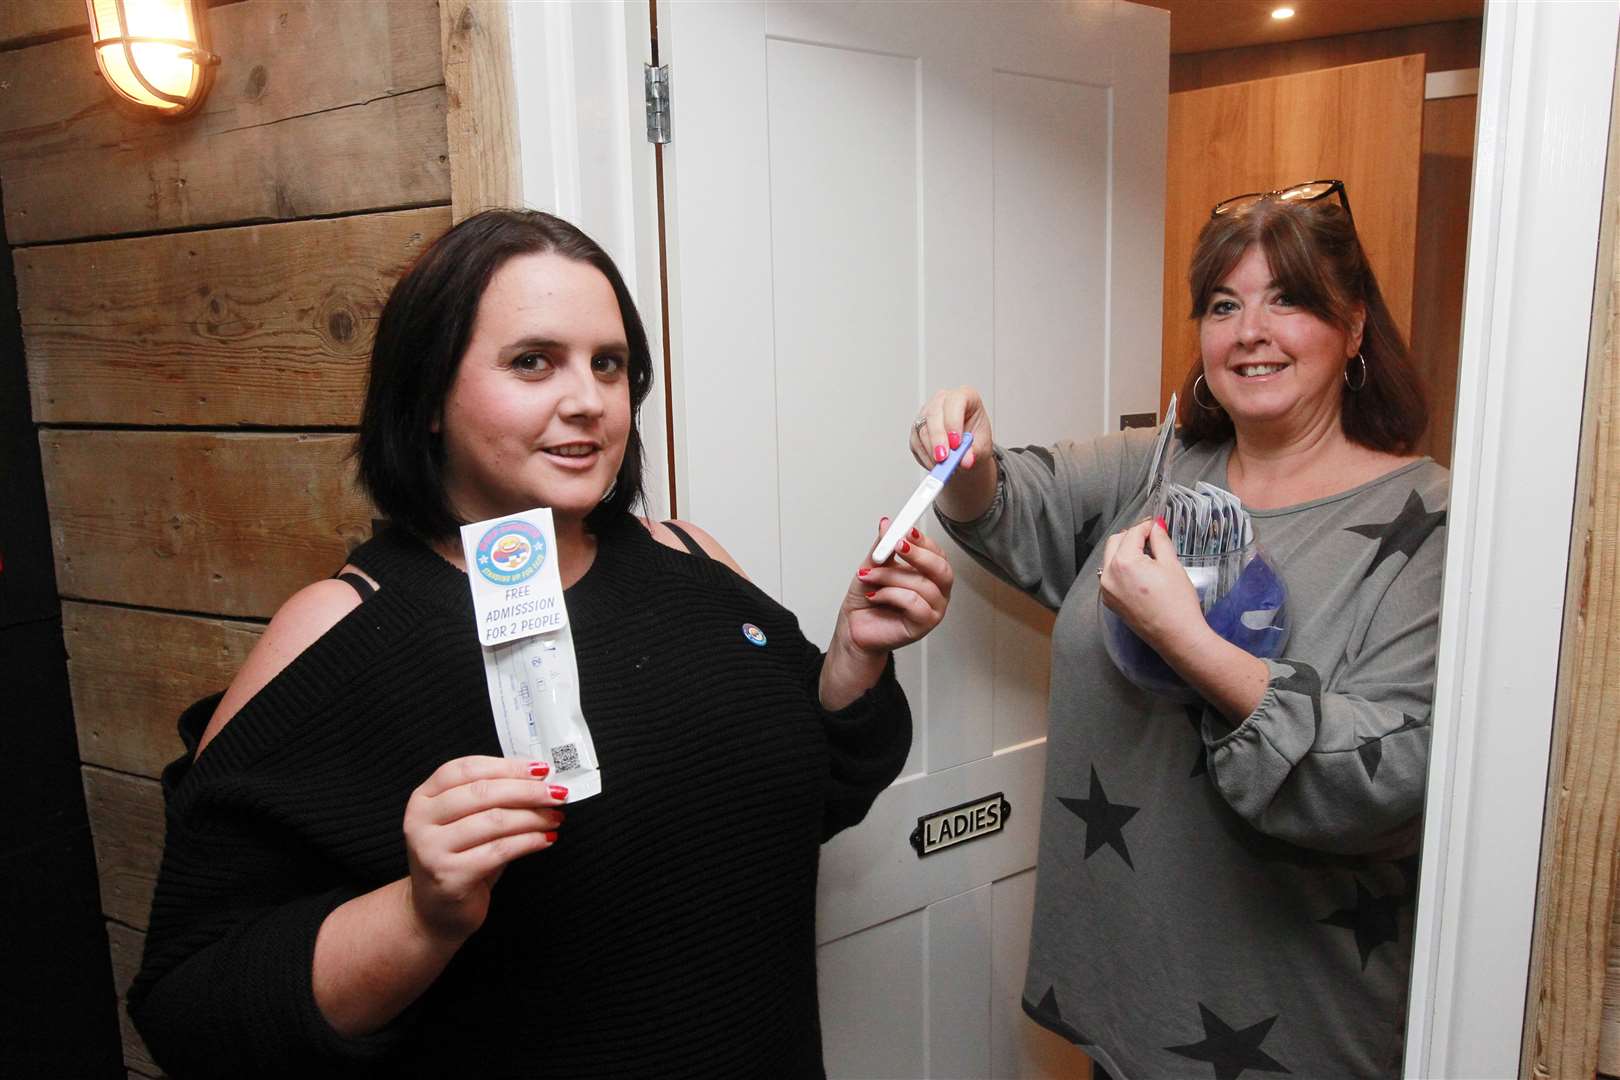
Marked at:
<point>657,81</point>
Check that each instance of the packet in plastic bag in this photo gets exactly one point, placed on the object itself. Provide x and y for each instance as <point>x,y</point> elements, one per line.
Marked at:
<point>1160,461</point>
<point>529,663</point>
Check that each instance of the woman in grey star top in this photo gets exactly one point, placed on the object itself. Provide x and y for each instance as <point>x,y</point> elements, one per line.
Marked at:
<point>1227,888</point>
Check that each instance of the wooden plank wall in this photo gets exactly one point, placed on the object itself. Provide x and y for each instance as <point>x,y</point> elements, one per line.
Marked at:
<point>198,300</point>
<point>1444,184</point>
<point>1572,1027</point>
<point>484,167</point>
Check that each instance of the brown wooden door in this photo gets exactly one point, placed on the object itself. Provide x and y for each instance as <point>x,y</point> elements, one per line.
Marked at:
<point>1362,124</point>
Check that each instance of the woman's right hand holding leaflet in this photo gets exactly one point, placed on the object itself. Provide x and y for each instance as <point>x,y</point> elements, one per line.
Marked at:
<point>937,430</point>
<point>377,953</point>
<point>463,825</point>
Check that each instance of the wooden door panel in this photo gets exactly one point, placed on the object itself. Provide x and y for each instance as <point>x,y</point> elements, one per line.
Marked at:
<point>1051,258</point>
<point>1362,124</point>
<point>848,359</point>
<point>871,874</point>
<point>875,1024</point>
<point>960,940</point>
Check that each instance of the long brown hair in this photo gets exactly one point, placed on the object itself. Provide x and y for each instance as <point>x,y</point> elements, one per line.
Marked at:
<point>1316,258</point>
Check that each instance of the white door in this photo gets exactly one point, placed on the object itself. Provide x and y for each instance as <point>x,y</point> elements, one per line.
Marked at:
<point>865,202</point>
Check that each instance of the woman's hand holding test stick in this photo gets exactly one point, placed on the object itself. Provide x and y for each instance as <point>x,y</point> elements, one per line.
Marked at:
<point>1141,579</point>
<point>938,430</point>
<point>885,608</point>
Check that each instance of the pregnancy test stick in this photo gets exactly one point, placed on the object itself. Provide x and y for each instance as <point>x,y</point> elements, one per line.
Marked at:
<point>920,500</point>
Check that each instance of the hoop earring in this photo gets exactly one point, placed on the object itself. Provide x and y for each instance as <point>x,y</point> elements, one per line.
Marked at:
<point>1200,401</point>
<point>1363,381</point>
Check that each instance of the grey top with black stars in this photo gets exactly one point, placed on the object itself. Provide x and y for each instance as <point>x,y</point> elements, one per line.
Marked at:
<point>1216,902</point>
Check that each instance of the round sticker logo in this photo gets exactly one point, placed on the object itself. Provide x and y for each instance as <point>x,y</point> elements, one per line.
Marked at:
<point>511,552</point>
<point>754,634</point>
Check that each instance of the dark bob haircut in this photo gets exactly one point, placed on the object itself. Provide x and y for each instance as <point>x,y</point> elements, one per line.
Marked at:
<point>421,336</point>
<point>1315,257</point>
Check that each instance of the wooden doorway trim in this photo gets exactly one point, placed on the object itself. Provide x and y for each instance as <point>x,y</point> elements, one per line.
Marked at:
<point>1575,895</point>
<point>481,113</point>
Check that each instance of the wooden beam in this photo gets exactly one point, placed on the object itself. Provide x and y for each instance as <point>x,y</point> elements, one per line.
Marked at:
<point>1609,1045</point>
<point>482,116</point>
<point>126,824</point>
<point>266,325</point>
<point>133,672</point>
<point>279,59</point>
<point>218,522</point>
<point>318,108</point>
<point>1576,892</point>
<point>126,946</point>
<point>25,21</point>
<point>381,155</point>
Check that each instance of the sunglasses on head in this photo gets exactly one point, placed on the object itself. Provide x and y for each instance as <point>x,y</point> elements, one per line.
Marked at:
<point>1309,191</point>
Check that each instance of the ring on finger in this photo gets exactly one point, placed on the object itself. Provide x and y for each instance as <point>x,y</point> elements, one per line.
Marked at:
<point>919,423</point>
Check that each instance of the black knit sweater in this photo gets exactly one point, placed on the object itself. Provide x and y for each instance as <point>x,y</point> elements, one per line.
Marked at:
<point>670,931</point>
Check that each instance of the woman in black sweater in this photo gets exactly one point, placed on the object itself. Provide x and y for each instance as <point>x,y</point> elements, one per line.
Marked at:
<point>663,927</point>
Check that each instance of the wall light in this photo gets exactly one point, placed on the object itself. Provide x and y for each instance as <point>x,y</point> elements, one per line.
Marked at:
<point>1282,13</point>
<point>153,52</point>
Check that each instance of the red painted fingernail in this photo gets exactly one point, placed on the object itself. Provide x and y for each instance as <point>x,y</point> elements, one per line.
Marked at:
<point>539,768</point>
<point>551,838</point>
<point>954,438</point>
<point>559,792</point>
<point>870,595</point>
<point>915,535</point>
<point>940,453</point>
<point>863,571</point>
<point>905,547</point>
<point>1159,521</point>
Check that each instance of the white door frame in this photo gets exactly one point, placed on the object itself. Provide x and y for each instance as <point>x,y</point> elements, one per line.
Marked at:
<point>1545,84</point>
<point>577,72</point>
<point>1542,140</point>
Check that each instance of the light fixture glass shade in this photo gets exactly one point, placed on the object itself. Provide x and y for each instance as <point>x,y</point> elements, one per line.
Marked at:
<point>153,52</point>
